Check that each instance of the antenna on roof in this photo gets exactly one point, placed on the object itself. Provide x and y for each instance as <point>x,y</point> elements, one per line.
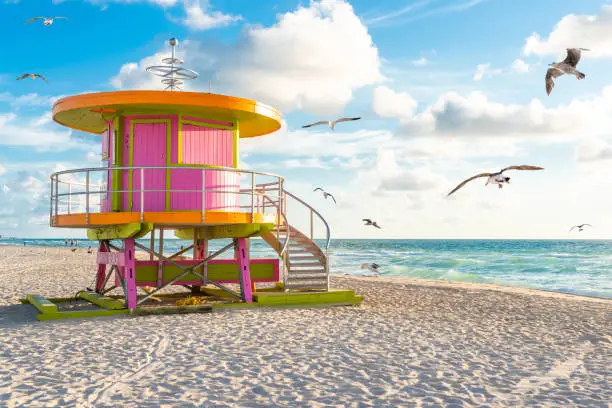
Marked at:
<point>173,76</point>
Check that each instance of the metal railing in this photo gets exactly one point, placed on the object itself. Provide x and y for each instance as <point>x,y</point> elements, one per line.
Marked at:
<point>88,190</point>
<point>312,214</point>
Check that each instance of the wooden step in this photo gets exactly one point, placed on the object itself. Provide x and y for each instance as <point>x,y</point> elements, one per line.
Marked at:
<point>310,285</point>
<point>293,265</point>
<point>303,258</point>
<point>306,272</point>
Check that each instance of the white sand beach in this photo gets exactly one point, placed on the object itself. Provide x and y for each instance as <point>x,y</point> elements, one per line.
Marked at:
<point>410,343</point>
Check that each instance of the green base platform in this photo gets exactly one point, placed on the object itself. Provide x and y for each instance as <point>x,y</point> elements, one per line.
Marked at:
<point>113,305</point>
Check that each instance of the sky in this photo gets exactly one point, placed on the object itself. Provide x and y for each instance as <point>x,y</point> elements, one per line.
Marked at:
<point>446,89</point>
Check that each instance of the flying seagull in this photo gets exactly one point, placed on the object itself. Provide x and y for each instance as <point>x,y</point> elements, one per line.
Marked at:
<point>47,21</point>
<point>325,194</point>
<point>580,227</point>
<point>496,178</point>
<point>371,267</point>
<point>32,77</point>
<point>567,66</point>
<point>330,123</point>
<point>370,222</point>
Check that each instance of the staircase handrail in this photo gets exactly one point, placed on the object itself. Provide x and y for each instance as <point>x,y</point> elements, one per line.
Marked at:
<point>313,211</point>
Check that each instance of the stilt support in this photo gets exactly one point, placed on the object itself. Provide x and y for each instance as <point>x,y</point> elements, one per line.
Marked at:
<point>245,273</point>
<point>130,273</point>
<point>101,276</point>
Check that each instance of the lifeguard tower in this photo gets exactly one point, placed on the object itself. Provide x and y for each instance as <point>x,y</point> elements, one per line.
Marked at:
<point>172,164</point>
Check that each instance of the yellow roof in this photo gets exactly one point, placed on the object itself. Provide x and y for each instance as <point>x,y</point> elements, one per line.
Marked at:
<point>83,112</point>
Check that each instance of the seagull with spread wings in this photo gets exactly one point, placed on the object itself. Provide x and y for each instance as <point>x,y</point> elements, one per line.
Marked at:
<point>370,222</point>
<point>330,123</point>
<point>47,21</point>
<point>32,77</point>
<point>325,194</point>
<point>371,267</point>
<point>496,178</point>
<point>580,227</point>
<point>567,66</point>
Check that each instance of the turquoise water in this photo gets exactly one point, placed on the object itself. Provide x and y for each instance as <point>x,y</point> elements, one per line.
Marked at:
<point>581,267</point>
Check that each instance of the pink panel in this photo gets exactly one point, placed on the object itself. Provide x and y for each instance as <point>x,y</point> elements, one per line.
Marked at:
<point>191,179</point>
<point>150,150</point>
<point>204,145</point>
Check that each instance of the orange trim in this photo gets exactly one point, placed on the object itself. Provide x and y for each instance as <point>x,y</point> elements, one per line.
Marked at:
<point>184,218</point>
<point>255,118</point>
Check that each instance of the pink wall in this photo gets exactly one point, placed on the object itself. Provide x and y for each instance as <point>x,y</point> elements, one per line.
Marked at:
<point>201,145</point>
<point>189,179</point>
<point>150,150</point>
<point>205,145</point>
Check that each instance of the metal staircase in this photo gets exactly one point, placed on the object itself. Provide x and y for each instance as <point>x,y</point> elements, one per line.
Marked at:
<point>306,264</point>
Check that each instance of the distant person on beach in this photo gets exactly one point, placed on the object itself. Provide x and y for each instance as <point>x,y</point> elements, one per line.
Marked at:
<point>24,243</point>
<point>89,251</point>
<point>76,243</point>
<point>71,243</point>
<point>66,242</point>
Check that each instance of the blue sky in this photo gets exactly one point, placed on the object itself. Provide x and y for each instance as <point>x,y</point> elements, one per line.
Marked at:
<point>446,89</point>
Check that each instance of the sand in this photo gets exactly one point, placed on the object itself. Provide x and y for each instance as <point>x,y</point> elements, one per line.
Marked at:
<point>411,343</point>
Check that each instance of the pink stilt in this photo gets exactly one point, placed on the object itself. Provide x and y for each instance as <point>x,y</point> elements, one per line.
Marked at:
<point>245,272</point>
<point>101,276</point>
<point>129,273</point>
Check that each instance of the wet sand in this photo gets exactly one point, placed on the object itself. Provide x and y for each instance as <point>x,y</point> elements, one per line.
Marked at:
<point>411,343</point>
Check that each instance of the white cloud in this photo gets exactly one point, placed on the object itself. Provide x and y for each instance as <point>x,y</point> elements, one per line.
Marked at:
<point>199,17</point>
<point>301,143</point>
<point>593,150</point>
<point>421,62</point>
<point>483,70</point>
<point>33,132</point>
<point>270,64</point>
<point>587,31</point>
<point>520,66</point>
<point>387,103</point>
<point>475,115</point>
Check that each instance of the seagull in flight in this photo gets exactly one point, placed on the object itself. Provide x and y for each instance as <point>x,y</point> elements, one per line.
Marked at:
<point>47,21</point>
<point>496,178</point>
<point>330,123</point>
<point>370,222</point>
<point>567,66</point>
<point>371,267</point>
<point>580,227</point>
<point>325,194</point>
<point>32,77</point>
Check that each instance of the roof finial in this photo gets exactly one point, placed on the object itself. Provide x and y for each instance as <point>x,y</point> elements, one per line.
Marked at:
<point>173,75</point>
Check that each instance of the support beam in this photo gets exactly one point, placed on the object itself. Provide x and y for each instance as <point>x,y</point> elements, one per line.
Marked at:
<point>244,268</point>
<point>101,276</point>
<point>130,273</point>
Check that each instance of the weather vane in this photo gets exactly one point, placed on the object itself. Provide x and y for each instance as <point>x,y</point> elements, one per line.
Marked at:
<point>173,75</point>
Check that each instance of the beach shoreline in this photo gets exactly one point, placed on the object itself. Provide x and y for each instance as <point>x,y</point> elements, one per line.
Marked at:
<point>412,342</point>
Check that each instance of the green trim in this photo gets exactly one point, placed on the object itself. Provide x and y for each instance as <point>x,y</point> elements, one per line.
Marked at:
<point>116,177</point>
<point>208,125</point>
<point>236,148</point>
<point>168,123</point>
<point>226,231</point>
<point>102,301</point>
<point>80,314</point>
<point>42,304</point>
<point>120,231</point>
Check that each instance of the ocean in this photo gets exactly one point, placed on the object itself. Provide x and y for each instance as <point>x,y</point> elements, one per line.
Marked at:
<point>577,266</point>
